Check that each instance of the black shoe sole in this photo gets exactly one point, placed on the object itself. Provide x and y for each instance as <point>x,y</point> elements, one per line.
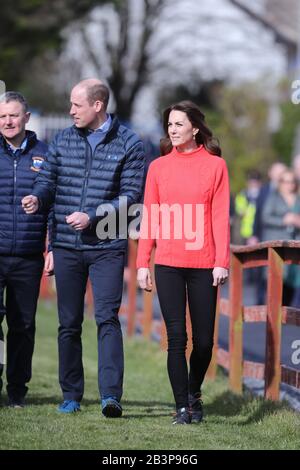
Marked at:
<point>112,411</point>
<point>181,424</point>
<point>196,420</point>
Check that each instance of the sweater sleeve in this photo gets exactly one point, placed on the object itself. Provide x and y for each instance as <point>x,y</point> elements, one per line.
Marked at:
<point>150,220</point>
<point>220,216</point>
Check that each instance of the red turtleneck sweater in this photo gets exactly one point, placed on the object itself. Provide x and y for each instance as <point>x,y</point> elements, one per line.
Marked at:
<point>186,211</point>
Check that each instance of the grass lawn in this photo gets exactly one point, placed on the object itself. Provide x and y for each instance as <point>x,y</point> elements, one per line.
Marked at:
<point>231,422</point>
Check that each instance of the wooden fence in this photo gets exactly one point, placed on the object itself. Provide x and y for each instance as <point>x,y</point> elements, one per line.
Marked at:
<point>274,255</point>
<point>271,254</point>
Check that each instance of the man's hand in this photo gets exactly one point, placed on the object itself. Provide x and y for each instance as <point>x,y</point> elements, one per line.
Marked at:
<point>252,240</point>
<point>220,276</point>
<point>49,264</point>
<point>292,219</point>
<point>30,204</point>
<point>78,220</point>
<point>144,279</point>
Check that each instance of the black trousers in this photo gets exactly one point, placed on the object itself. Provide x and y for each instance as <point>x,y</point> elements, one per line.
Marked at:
<point>174,287</point>
<point>105,269</point>
<point>20,277</point>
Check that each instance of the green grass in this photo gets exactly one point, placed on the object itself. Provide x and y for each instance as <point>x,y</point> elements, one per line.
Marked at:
<point>231,422</point>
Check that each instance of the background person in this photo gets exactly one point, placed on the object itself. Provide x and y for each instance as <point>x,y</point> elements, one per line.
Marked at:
<point>281,221</point>
<point>274,175</point>
<point>245,205</point>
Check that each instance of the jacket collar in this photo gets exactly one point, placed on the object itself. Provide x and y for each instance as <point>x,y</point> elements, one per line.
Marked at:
<point>31,140</point>
<point>114,125</point>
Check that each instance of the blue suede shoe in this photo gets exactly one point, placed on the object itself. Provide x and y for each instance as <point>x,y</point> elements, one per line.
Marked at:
<point>111,408</point>
<point>69,406</point>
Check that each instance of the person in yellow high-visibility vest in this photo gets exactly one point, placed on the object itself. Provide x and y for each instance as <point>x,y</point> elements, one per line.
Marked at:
<point>245,204</point>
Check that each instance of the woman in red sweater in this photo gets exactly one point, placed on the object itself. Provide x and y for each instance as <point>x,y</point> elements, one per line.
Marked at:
<point>186,217</point>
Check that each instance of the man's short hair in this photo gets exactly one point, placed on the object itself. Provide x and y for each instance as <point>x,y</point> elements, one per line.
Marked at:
<point>98,92</point>
<point>14,96</point>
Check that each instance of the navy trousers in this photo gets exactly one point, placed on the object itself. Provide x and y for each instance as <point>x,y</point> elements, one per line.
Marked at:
<point>105,269</point>
<point>20,278</point>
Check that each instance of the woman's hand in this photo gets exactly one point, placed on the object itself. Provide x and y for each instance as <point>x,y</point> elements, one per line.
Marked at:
<point>144,279</point>
<point>220,276</point>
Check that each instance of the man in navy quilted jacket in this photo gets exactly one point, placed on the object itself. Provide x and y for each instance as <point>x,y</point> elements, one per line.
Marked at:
<point>22,243</point>
<point>93,170</point>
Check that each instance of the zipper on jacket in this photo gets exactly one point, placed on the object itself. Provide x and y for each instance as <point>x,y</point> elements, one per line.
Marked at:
<point>89,160</point>
<point>85,183</point>
<point>15,208</point>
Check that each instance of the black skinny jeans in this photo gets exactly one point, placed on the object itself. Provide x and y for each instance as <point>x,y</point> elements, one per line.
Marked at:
<point>174,286</point>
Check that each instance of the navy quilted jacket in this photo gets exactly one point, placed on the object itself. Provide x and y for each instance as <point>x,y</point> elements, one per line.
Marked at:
<point>76,179</point>
<point>20,234</point>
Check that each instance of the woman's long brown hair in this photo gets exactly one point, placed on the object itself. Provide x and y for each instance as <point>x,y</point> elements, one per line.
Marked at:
<point>197,119</point>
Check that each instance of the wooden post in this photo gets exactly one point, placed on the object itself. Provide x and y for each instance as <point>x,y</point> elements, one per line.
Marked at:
<point>46,286</point>
<point>236,325</point>
<point>131,313</point>
<point>45,292</point>
<point>89,300</point>
<point>273,333</point>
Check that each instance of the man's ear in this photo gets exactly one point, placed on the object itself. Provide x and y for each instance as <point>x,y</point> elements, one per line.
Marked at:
<point>99,106</point>
<point>27,116</point>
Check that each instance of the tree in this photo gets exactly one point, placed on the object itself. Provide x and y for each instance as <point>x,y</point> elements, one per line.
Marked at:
<point>244,133</point>
<point>30,27</point>
<point>143,48</point>
<point>284,140</point>
<point>164,44</point>
<point>114,41</point>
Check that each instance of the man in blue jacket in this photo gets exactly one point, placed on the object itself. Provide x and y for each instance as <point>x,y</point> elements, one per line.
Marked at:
<point>97,163</point>
<point>22,242</point>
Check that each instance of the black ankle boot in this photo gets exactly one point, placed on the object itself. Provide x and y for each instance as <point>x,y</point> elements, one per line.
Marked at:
<point>182,416</point>
<point>196,408</point>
